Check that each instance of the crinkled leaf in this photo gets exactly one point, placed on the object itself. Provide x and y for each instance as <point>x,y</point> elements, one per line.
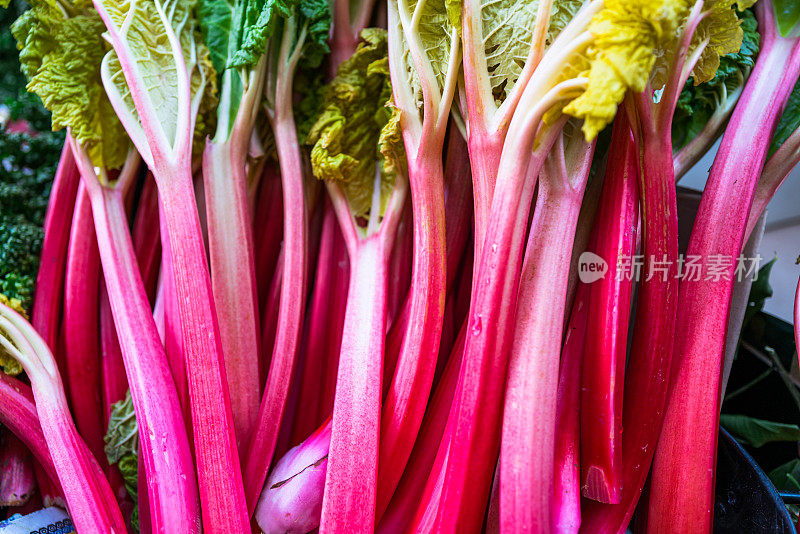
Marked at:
<point>310,87</point>
<point>147,38</point>
<point>721,28</point>
<point>789,121</point>
<point>507,34</point>
<point>627,37</point>
<point>758,432</point>
<point>354,117</point>
<point>123,433</point>
<point>435,33</point>
<point>8,363</point>
<point>698,102</point>
<point>122,442</point>
<point>261,19</point>
<point>60,55</point>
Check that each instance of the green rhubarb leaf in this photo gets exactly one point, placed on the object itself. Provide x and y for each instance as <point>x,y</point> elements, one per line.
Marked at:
<point>758,432</point>
<point>435,36</point>
<point>722,29</point>
<point>628,38</point>
<point>146,37</point>
<point>61,48</point>
<point>262,19</point>
<point>357,112</point>
<point>787,16</point>
<point>698,102</point>
<point>507,35</point>
<point>789,121</point>
<point>122,442</point>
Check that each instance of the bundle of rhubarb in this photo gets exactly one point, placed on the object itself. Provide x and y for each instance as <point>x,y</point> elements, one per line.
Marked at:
<point>397,266</point>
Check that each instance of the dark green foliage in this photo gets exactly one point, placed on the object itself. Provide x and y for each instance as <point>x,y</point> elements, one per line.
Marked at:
<point>28,163</point>
<point>697,103</point>
<point>19,103</point>
<point>27,166</point>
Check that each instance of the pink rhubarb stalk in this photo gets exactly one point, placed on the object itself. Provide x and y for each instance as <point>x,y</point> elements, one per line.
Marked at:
<point>682,488</point>
<point>351,482</point>
<point>230,242</point>
<point>293,288</point>
<point>50,280</point>
<point>18,414</point>
<point>92,504</point>
<point>607,333</point>
<point>165,142</point>
<point>81,324</point>
<point>527,451</point>
<point>566,489</point>
<point>17,481</point>
<point>171,484</point>
<point>146,236</point>
<point>647,372</point>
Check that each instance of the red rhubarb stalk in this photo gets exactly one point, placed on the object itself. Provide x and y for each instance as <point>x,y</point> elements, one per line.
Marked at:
<point>527,451</point>
<point>92,504</point>
<point>682,489</point>
<point>292,295</point>
<point>18,414</point>
<point>81,323</point>
<point>167,458</point>
<point>423,135</point>
<point>146,236</point>
<point>566,491</point>
<point>398,515</point>
<point>607,332</point>
<point>50,280</point>
<point>17,481</point>
<point>352,473</point>
<point>163,136</point>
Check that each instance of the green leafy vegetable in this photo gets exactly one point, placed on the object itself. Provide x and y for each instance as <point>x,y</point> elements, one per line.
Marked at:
<point>61,48</point>
<point>698,101</point>
<point>357,112</point>
<point>122,445</point>
<point>758,432</point>
<point>28,165</point>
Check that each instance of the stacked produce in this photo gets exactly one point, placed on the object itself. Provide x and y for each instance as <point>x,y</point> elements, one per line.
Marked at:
<point>361,266</point>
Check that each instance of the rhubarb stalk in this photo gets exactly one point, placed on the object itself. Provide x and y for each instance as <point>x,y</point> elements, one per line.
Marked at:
<point>17,482</point>
<point>81,322</point>
<point>527,452</point>
<point>606,341</point>
<point>167,458</point>
<point>92,504</point>
<point>682,490</point>
<point>50,280</point>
